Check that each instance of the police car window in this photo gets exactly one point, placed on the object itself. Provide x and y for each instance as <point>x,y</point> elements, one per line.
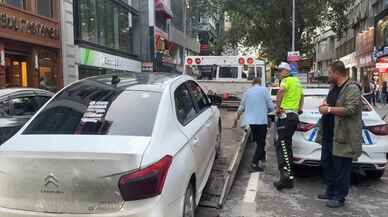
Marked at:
<point>228,72</point>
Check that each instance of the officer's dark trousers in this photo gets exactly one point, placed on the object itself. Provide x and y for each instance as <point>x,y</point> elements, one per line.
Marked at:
<point>337,173</point>
<point>286,129</point>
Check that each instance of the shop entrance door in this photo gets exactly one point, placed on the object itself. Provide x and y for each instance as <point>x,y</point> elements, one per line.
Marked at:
<point>16,71</point>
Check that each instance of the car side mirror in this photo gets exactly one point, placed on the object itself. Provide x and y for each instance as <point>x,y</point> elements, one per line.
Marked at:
<point>215,100</point>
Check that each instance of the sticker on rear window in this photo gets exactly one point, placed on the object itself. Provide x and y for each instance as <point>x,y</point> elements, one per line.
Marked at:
<point>95,111</point>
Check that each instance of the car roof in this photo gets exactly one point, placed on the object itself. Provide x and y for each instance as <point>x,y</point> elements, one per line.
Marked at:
<point>146,81</point>
<point>7,91</point>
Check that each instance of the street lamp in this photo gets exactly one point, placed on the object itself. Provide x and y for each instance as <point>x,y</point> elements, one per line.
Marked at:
<point>293,25</point>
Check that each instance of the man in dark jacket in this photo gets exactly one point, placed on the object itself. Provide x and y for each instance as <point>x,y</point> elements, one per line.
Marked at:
<point>340,134</point>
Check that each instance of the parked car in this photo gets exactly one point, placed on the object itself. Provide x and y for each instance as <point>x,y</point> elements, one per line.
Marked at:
<point>17,105</point>
<point>126,145</point>
<point>375,137</point>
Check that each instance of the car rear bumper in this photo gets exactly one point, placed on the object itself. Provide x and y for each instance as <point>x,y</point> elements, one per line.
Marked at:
<point>145,208</point>
<point>309,154</point>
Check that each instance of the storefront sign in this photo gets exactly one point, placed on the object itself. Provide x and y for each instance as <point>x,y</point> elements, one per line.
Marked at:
<point>349,60</point>
<point>19,24</point>
<point>102,60</point>
<point>23,26</point>
<point>365,60</point>
<point>293,56</point>
<point>380,53</point>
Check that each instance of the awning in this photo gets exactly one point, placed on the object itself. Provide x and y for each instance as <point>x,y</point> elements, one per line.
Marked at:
<point>162,8</point>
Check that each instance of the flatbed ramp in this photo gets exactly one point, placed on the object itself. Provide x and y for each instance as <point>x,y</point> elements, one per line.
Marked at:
<point>224,171</point>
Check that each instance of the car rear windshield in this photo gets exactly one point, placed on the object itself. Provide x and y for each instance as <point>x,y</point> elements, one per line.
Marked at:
<point>314,101</point>
<point>92,110</point>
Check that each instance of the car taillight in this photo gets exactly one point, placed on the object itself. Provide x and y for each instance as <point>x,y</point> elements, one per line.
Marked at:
<point>145,183</point>
<point>304,127</point>
<point>381,130</point>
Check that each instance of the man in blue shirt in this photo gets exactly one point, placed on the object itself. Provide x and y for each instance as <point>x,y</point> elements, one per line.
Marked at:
<point>255,105</point>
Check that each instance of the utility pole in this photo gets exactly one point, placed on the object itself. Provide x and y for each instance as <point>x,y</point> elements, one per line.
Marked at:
<point>293,25</point>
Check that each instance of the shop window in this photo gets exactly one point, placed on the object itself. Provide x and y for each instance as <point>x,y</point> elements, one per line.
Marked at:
<point>45,7</point>
<point>15,3</point>
<point>47,70</point>
<point>106,23</point>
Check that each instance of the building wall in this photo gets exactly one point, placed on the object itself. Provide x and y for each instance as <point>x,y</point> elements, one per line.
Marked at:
<point>30,45</point>
<point>101,59</point>
<point>70,53</point>
<point>325,52</point>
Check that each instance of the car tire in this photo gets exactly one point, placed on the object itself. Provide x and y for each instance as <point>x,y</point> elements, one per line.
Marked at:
<point>375,174</point>
<point>189,202</point>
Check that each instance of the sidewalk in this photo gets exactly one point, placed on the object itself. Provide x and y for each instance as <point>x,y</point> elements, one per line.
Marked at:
<point>382,110</point>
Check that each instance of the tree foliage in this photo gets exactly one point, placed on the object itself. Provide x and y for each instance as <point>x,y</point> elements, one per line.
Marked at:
<point>268,23</point>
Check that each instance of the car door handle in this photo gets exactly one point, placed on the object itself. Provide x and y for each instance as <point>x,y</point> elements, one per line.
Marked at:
<point>208,125</point>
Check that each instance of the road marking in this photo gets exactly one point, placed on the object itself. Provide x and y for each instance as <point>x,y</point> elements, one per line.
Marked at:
<point>253,186</point>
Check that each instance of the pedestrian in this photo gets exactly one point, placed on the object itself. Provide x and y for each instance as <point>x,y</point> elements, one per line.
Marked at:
<point>43,83</point>
<point>367,90</point>
<point>340,134</point>
<point>376,92</point>
<point>289,103</point>
<point>255,106</point>
<point>383,93</point>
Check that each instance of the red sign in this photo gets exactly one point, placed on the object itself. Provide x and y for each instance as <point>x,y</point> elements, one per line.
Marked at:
<point>204,46</point>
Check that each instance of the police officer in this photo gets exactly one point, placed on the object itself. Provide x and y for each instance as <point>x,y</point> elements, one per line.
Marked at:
<point>289,104</point>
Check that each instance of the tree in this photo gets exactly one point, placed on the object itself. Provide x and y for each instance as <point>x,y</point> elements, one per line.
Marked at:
<point>269,23</point>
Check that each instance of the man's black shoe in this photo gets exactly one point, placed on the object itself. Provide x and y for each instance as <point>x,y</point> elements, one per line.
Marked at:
<point>284,184</point>
<point>323,197</point>
<point>255,168</point>
<point>335,204</point>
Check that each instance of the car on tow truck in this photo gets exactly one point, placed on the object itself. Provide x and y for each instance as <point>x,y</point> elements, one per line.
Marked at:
<point>123,145</point>
<point>307,152</point>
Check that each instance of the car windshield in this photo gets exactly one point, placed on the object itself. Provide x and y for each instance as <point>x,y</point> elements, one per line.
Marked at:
<point>98,110</point>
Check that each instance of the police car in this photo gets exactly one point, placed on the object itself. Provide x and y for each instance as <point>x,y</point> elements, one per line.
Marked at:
<point>307,152</point>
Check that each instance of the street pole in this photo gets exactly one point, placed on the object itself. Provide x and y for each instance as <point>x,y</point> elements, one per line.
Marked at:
<point>293,25</point>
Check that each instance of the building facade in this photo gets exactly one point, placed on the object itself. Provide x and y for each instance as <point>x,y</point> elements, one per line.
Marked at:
<point>166,34</point>
<point>324,55</point>
<point>381,41</point>
<point>98,37</point>
<point>30,48</point>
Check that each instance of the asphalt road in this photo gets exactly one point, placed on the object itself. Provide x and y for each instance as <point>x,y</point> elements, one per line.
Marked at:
<point>253,194</point>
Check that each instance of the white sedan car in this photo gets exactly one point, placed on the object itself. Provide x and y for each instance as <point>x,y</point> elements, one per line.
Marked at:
<point>133,145</point>
<point>375,137</point>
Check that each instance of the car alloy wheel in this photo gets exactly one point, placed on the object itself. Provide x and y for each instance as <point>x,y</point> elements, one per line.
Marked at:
<point>189,205</point>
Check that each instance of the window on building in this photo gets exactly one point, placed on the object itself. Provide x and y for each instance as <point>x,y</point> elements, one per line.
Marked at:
<point>15,3</point>
<point>45,7</point>
<point>106,23</point>
<point>125,33</point>
<point>88,20</point>
<point>177,7</point>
